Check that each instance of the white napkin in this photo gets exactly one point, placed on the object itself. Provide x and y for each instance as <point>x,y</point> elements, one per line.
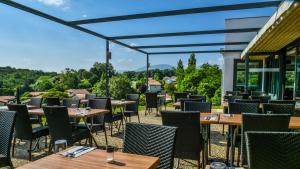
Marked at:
<point>77,151</point>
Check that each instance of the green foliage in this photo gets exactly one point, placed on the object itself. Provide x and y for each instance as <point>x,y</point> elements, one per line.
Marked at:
<point>142,100</point>
<point>170,88</point>
<point>120,86</point>
<point>43,83</point>
<point>100,87</point>
<point>55,93</point>
<point>84,84</point>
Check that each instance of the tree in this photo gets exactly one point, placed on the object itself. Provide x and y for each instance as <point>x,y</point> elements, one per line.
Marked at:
<point>180,71</point>
<point>120,86</point>
<point>43,83</point>
<point>192,63</point>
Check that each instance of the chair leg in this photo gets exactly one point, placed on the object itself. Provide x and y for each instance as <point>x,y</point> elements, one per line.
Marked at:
<point>46,140</point>
<point>139,118</point>
<point>29,150</point>
<point>227,153</point>
<point>13,147</point>
<point>146,111</point>
<point>239,156</point>
<point>111,129</point>
<point>223,129</point>
<point>199,164</point>
<point>105,136</point>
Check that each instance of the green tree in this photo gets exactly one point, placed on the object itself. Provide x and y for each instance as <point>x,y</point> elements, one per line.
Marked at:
<point>84,84</point>
<point>120,86</point>
<point>43,83</point>
<point>191,63</point>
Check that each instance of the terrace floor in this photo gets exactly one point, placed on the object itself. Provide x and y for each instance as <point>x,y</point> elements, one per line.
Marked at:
<point>218,142</point>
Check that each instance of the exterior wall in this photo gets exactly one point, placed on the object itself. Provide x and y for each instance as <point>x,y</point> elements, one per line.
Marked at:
<point>228,58</point>
<point>154,88</point>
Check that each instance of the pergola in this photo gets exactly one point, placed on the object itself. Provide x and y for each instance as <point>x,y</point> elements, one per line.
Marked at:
<point>143,49</point>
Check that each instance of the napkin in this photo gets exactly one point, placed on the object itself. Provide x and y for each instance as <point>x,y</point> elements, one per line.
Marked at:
<point>77,151</point>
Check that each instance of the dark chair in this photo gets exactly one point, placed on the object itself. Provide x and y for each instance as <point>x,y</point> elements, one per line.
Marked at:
<point>257,93</point>
<point>52,101</point>
<point>71,103</point>
<point>151,140</point>
<point>278,108</point>
<point>163,100</point>
<point>274,150</point>
<point>90,96</point>
<point>7,122</point>
<point>262,122</point>
<point>110,118</point>
<point>203,98</point>
<point>202,107</point>
<point>132,109</point>
<point>238,108</point>
<point>152,101</point>
<point>60,128</point>
<point>24,130</point>
<point>37,102</point>
<point>263,99</point>
<point>182,102</point>
<point>231,99</point>
<point>178,96</point>
<point>293,102</point>
<point>189,141</point>
<point>98,121</point>
<point>247,101</point>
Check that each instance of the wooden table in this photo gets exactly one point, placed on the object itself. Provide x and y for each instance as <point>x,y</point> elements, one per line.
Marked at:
<point>79,113</point>
<point>94,160</point>
<point>120,103</point>
<point>225,105</point>
<point>74,112</point>
<point>208,167</point>
<point>29,107</point>
<point>204,120</point>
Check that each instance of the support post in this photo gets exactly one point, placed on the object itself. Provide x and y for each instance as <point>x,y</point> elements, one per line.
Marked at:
<point>147,71</point>
<point>281,75</point>
<point>107,68</point>
<point>247,60</point>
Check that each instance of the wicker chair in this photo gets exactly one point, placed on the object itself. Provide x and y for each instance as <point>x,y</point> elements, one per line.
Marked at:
<point>273,150</point>
<point>7,122</point>
<point>60,128</point>
<point>263,99</point>
<point>189,141</point>
<point>293,102</point>
<point>132,109</point>
<point>279,108</point>
<point>178,96</point>
<point>182,102</point>
<point>37,102</point>
<point>52,101</point>
<point>151,140</point>
<point>262,122</point>
<point>110,117</point>
<point>238,108</point>
<point>24,130</point>
<point>247,101</point>
<point>203,98</point>
<point>90,96</point>
<point>257,93</point>
<point>71,103</point>
<point>152,101</point>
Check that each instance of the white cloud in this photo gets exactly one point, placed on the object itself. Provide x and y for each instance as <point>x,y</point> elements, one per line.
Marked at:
<point>84,15</point>
<point>56,3</point>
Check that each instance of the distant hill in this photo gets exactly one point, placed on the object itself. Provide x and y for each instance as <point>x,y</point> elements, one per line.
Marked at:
<point>160,67</point>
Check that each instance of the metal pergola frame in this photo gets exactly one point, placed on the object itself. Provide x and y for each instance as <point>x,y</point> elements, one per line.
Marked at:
<point>115,39</point>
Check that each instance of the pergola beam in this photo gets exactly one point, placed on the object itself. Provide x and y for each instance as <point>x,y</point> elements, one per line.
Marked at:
<point>180,12</point>
<point>187,52</point>
<point>63,22</point>
<point>203,32</point>
<point>191,45</point>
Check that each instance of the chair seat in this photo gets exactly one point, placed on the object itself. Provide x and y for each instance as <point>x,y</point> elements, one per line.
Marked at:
<point>128,113</point>
<point>40,131</point>
<point>34,120</point>
<point>80,134</point>
<point>93,127</point>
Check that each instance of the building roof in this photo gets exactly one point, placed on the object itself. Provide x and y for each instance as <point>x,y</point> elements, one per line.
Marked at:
<point>78,91</point>
<point>6,99</point>
<point>153,82</point>
<point>281,29</point>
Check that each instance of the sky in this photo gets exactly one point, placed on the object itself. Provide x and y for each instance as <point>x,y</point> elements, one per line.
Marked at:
<point>28,41</point>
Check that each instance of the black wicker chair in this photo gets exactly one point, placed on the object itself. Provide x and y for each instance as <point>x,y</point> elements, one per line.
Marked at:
<point>60,128</point>
<point>182,102</point>
<point>246,101</point>
<point>238,108</point>
<point>110,118</point>
<point>71,102</point>
<point>273,150</point>
<point>203,98</point>
<point>90,96</point>
<point>293,102</point>
<point>151,140</point>
<point>152,102</point>
<point>7,122</point>
<point>189,141</point>
<point>132,109</point>
<point>24,130</point>
<point>37,102</point>
<point>52,101</point>
<point>262,122</point>
<point>232,93</point>
<point>278,108</point>
<point>263,99</point>
<point>257,93</point>
<point>202,107</point>
<point>178,96</point>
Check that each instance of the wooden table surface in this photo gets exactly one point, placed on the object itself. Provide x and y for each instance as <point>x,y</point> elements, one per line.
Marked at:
<point>203,119</point>
<point>208,167</point>
<point>94,160</point>
<point>114,103</point>
<point>74,112</point>
<point>236,119</point>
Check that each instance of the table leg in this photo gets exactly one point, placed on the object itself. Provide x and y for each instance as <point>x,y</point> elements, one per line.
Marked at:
<point>231,145</point>
<point>89,128</point>
<point>205,129</point>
